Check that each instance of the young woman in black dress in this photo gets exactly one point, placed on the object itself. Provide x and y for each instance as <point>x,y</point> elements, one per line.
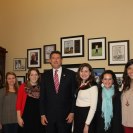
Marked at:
<point>28,113</point>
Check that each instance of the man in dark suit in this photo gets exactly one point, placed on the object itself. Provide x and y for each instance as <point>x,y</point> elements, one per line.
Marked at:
<point>57,106</point>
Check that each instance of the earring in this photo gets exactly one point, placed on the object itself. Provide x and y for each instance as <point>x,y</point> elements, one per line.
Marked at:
<point>112,86</point>
<point>102,85</point>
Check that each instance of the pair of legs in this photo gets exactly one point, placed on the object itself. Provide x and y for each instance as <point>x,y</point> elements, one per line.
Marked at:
<point>58,127</point>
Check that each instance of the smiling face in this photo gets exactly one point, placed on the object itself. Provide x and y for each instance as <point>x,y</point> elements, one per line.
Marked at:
<point>85,73</point>
<point>56,60</point>
<point>11,80</point>
<point>130,71</point>
<point>33,77</point>
<point>107,80</point>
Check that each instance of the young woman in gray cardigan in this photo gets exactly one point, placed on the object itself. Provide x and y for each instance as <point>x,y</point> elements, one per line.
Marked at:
<point>8,95</point>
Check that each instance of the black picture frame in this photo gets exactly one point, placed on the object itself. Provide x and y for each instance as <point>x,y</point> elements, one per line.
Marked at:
<point>34,58</point>
<point>72,46</point>
<point>118,52</point>
<point>73,67</point>
<point>47,49</point>
<point>97,48</point>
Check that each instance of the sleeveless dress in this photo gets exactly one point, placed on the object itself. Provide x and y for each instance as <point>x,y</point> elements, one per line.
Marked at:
<point>31,117</point>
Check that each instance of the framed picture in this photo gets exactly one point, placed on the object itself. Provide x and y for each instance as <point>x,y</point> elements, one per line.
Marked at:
<point>118,52</point>
<point>73,67</point>
<point>97,48</point>
<point>34,58</point>
<point>19,64</point>
<point>97,73</point>
<point>119,76</point>
<point>21,79</point>
<point>72,46</point>
<point>47,49</point>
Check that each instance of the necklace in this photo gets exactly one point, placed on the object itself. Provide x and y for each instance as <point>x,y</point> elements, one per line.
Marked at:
<point>84,83</point>
<point>128,97</point>
<point>127,103</point>
<point>84,86</point>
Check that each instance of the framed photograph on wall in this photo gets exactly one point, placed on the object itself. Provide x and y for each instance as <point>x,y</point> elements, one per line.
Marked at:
<point>73,67</point>
<point>118,52</point>
<point>72,46</point>
<point>119,77</point>
<point>97,73</point>
<point>21,79</point>
<point>19,64</point>
<point>47,49</point>
<point>34,57</point>
<point>97,48</point>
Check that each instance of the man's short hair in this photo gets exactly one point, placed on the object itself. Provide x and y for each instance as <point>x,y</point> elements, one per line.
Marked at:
<point>55,52</point>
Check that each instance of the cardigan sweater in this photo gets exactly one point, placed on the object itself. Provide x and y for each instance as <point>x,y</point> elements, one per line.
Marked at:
<point>127,116</point>
<point>7,107</point>
<point>21,99</point>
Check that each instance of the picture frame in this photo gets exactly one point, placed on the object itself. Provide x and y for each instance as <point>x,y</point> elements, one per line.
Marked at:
<point>72,46</point>
<point>73,67</point>
<point>19,64</point>
<point>97,73</point>
<point>20,79</point>
<point>119,77</point>
<point>34,58</point>
<point>118,52</point>
<point>97,48</point>
<point>47,49</point>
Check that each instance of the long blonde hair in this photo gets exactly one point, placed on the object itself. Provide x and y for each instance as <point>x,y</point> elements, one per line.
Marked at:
<point>15,85</point>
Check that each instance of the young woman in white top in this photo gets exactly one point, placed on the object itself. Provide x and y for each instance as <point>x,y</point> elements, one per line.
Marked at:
<point>86,101</point>
<point>127,97</point>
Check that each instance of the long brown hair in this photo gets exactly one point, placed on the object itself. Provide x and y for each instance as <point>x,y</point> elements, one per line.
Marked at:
<point>91,78</point>
<point>15,85</point>
<point>28,75</point>
<point>126,78</point>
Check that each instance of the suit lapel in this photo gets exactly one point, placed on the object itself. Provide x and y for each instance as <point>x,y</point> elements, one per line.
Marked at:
<point>62,79</point>
<point>51,79</point>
